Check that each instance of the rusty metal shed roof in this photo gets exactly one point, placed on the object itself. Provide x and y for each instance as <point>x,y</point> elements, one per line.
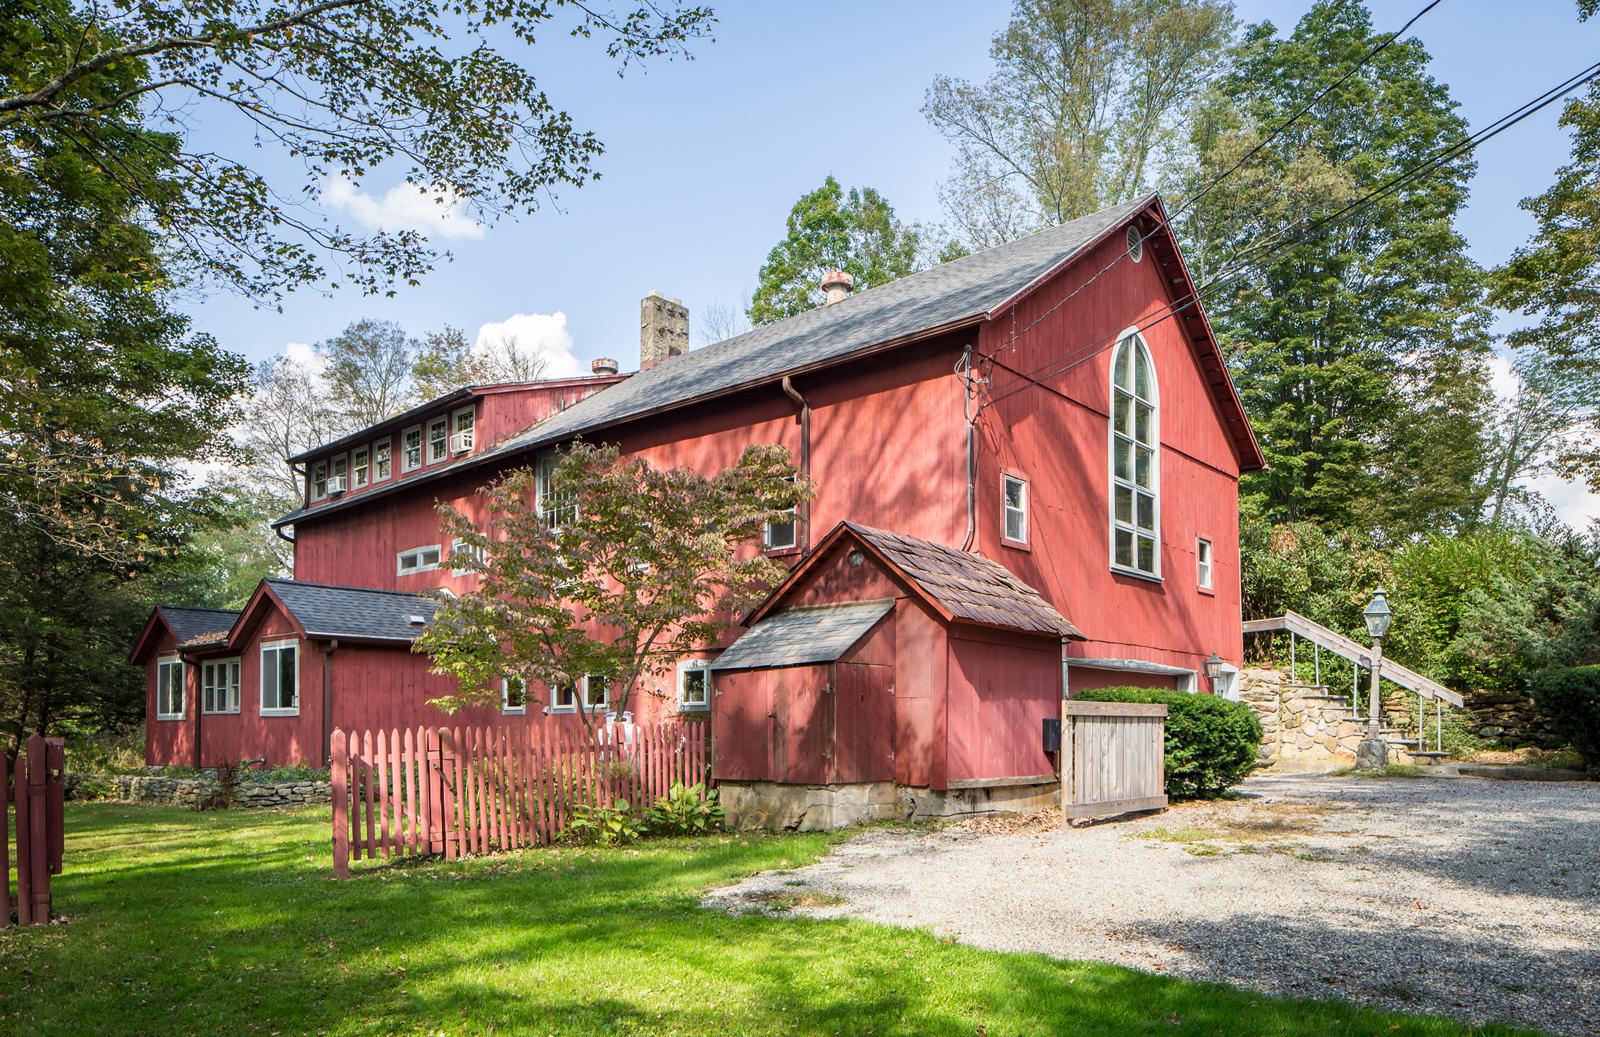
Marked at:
<point>803,636</point>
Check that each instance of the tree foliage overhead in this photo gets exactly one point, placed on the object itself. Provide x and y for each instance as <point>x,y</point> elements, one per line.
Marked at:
<point>422,90</point>
<point>828,230</point>
<point>1359,350</point>
<point>616,572</point>
<point>1084,107</point>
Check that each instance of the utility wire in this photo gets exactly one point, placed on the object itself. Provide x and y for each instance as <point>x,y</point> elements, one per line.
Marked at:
<point>1245,261</point>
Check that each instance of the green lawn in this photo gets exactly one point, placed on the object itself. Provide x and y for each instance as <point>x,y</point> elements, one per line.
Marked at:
<point>228,923</point>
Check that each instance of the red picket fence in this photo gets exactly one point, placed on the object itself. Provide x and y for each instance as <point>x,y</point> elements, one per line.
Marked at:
<point>455,792</point>
<point>34,782</point>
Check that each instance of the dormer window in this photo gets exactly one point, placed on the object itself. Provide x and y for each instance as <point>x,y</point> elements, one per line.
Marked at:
<point>361,466</point>
<point>319,480</point>
<point>338,475</point>
<point>438,440</point>
<point>411,449</point>
<point>380,461</point>
<point>461,435</point>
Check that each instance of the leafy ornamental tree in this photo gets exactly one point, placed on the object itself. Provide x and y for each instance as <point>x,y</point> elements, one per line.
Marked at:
<point>830,230</point>
<point>335,87</point>
<point>1359,351</point>
<point>367,367</point>
<point>1082,111</point>
<point>621,570</point>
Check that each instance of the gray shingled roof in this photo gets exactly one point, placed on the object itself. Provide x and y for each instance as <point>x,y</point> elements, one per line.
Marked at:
<point>968,586</point>
<point>803,636</point>
<point>354,612</point>
<point>950,294</point>
<point>193,626</point>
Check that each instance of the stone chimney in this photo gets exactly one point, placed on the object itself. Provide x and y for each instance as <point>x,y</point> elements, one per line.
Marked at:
<point>663,329</point>
<point>604,365</point>
<point>838,285</point>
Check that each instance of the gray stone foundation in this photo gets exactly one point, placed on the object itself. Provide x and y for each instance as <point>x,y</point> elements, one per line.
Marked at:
<point>819,808</point>
<point>192,792</point>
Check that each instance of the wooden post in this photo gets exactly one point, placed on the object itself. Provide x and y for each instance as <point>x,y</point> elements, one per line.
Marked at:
<point>339,759</point>
<point>7,901</point>
<point>449,778</point>
<point>55,800</point>
<point>19,795</point>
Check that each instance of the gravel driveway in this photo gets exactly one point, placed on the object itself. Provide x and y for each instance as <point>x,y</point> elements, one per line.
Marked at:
<point>1473,898</point>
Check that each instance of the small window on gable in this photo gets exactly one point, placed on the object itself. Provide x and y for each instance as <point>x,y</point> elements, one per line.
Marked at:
<point>1202,560</point>
<point>381,464</point>
<point>417,560</point>
<point>280,679</point>
<point>319,480</point>
<point>461,433</point>
<point>411,449</point>
<point>513,696</point>
<point>169,688</point>
<point>1016,509</point>
<point>219,686</point>
<point>438,440</point>
<point>360,466</point>
<point>694,685</point>
<point>1135,244</point>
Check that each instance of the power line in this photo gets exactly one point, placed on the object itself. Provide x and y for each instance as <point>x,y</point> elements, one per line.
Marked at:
<point>1246,261</point>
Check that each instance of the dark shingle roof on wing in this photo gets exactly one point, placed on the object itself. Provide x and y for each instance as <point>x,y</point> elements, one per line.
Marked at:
<point>194,627</point>
<point>803,636</point>
<point>354,612</point>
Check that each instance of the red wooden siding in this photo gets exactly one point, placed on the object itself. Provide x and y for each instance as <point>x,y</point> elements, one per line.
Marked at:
<point>1001,689</point>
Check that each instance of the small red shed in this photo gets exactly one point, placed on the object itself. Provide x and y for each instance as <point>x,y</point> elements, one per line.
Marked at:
<point>886,676</point>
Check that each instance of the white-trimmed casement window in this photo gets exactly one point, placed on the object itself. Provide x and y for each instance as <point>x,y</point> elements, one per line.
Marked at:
<point>1014,503</point>
<point>417,560</point>
<point>360,467</point>
<point>381,463</point>
<point>1135,460</point>
<point>557,509</point>
<point>319,480</point>
<point>694,685</point>
<point>513,696</point>
<point>596,694</point>
<point>438,440</point>
<point>461,431</point>
<point>169,688</point>
<point>411,449</point>
<point>280,679</point>
<point>219,685</point>
<point>1202,563</point>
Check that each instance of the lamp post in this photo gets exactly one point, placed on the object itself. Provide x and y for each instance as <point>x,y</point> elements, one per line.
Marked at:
<point>1373,752</point>
<point>1213,668</point>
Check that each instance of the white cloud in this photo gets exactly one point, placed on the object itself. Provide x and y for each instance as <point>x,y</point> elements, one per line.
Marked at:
<point>304,354</point>
<point>431,211</point>
<point>1572,501</point>
<point>544,334</point>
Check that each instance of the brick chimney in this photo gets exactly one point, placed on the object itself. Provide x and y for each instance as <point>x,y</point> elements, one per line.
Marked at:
<point>663,329</point>
<point>604,365</point>
<point>838,285</point>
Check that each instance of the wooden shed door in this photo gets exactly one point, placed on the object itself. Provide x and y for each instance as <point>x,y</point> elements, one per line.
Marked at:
<point>863,722</point>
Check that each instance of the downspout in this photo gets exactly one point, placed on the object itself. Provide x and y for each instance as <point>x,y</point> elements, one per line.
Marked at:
<point>805,459</point>
<point>327,701</point>
<point>199,704</point>
<point>964,370</point>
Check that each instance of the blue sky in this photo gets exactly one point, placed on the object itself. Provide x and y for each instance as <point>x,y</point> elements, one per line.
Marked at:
<point>705,157</point>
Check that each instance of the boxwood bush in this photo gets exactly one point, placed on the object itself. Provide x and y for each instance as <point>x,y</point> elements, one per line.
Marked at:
<point>1569,697</point>
<point>1212,742</point>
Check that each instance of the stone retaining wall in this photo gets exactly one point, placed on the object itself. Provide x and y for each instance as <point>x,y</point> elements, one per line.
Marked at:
<point>192,792</point>
<point>1296,726</point>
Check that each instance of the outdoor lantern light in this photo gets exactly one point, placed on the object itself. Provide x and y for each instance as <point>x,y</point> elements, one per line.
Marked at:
<point>1214,667</point>
<point>1377,614</point>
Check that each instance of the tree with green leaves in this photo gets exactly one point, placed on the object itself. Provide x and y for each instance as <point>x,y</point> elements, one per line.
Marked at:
<point>367,368</point>
<point>1360,350</point>
<point>1083,110</point>
<point>605,567</point>
<point>829,229</point>
<point>337,89</point>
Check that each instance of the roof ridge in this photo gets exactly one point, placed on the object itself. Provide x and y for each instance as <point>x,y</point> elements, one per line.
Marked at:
<point>199,608</point>
<point>346,587</point>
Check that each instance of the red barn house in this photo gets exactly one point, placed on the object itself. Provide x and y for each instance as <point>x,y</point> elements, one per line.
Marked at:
<point>1026,469</point>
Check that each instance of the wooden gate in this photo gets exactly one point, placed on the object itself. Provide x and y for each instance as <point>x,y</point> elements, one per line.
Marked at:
<point>1113,758</point>
<point>455,791</point>
<point>33,781</point>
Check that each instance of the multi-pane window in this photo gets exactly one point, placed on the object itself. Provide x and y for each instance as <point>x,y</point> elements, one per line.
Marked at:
<point>380,461</point>
<point>339,474</point>
<point>1016,508</point>
<point>1135,464</point>
<point>319,480</point>
<point>557,506</point>
<point>438,440</point>
<point>411,449</point>
<point>513,696</point>
<point>596,694</point>
<point>462,432</point>
<point>417,560</point>
<point>1202,561</point>
<point>280,678</point>
<point>361,466</point>
<point>780,533</point>
<point>694,684</point>
<point>465,558</point>
<point>219,686</point>
<point>169,688</point>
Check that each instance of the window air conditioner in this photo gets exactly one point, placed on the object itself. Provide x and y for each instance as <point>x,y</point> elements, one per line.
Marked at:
<point>336,485</point>
<point>461,442</point>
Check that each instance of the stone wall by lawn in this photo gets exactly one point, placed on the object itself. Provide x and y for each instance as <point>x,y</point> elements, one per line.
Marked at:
<point>192,792</point>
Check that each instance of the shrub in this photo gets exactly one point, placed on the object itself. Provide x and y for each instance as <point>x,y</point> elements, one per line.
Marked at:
<point>106,752</point>
<point>686,810</point>
<point>1212,743</point>
<point>1569,697</point>
<point>607,825</point>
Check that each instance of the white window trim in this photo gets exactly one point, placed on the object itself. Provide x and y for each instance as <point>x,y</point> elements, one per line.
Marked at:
<point>584,697</point>
<point>1006,479</point>
<point>319,473</point>
<point>454,429</point>
<point>544,471</point>
<point>455,547</point>
<point>422,447</point>
<point>428,441</point>
<point>373,456</point>
<point>183,686</point>
<point>505,699</point>
<point>237,688</point>
<point>555,703</point>
<point>364,467</point>
<point>1205,572</point>
<point>684,668</point>
<point>1111,460</point>
<point>261,684</point>
<point>399,560</point>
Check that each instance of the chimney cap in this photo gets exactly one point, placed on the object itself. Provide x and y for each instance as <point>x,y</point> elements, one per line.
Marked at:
<point>837,285</point>
<point>604,365</point>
